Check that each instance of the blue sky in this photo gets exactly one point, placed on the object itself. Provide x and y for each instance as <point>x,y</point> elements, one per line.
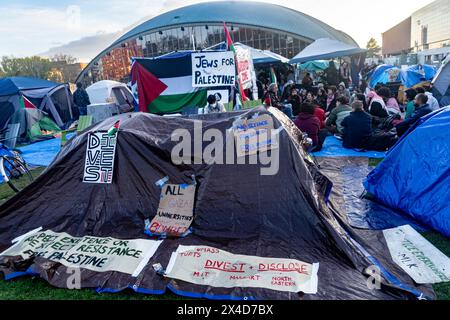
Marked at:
<point>31,27</point>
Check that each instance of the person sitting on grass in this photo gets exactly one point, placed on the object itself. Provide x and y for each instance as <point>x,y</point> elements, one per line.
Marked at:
<point>337,115</point>
<point>422,109</point>
<point>308,123</point>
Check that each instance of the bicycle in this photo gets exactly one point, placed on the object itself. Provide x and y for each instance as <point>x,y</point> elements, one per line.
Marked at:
<point>13,167</point>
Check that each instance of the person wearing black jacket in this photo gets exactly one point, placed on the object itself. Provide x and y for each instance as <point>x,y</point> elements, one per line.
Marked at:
<point>332,74</point>
<point>422,109</point>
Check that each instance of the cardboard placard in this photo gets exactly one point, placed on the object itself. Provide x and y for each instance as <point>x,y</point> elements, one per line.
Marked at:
<point>244,66</point>
<point>213,69</point>
<point>416,256</point>
<point>175,212</point>
<point>255,135</point>
<point>93,253</point>
<point>100,155</point>
<point>217,268</point>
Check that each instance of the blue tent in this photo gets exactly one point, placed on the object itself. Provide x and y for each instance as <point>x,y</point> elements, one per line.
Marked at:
<point>428,71</point>
<point>409,78</point>
<point>13,85</point>
<point>415,175</point>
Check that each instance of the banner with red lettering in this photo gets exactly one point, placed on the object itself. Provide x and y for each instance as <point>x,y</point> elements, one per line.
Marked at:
<point>217,268</point>
<point>175,212</point>
<point>244,66</point>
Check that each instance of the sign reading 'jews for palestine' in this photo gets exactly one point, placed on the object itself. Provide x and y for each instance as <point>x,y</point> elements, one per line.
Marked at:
<point>175,212</point>
<point>213,69</point>
<point>255,135</point>
<point>100,153</point>
<point>96,254</point>
<point>217,268</point>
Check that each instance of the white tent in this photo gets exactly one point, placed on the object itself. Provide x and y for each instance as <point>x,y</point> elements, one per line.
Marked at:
<point>324,49</point>
<point>108,91</point>
<point>258,56</point>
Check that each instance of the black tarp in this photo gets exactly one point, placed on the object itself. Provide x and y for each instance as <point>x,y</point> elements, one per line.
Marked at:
<point>236,209</point>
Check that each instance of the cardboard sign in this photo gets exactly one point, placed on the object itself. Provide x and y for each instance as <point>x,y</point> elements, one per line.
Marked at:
<point>100,154</point>
<point>175,212</point>
<point>223,94</point>
<point>244,66</point>
<point>255,135</point>
<point>416,256</point>
<point>96,254</point>
<point>217,268</point>
<point>213,69</point>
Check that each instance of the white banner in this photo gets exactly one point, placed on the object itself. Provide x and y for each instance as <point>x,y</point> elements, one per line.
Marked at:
<point>175,212</point>
<point>96,254</point>
<point>255,135</point>
<point>217,268</point>
<point>416,256</point>
<point>244,66</point>
<point>213,69</point>
<point>100,153</point>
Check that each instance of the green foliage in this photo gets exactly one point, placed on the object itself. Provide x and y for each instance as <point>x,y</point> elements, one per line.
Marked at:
<point>373,48</point>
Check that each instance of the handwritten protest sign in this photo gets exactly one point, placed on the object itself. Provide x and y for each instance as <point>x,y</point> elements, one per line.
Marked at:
<point>217,268</point>
<point>96,254</point>
<point>416,256</point>
<point>100,153</point>
<point>175,212</point>
<point>255,135</point>
<point>213,69</point>
<point>244,66</point>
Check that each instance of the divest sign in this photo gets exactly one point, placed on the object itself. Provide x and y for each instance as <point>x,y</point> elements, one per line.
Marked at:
<point>175,212</point>
<point>100,153</point>
<point>416,256</point>
<point>96,254</point>
<point>255,135</point>
<point>217,268</point>
<point>213,69</point>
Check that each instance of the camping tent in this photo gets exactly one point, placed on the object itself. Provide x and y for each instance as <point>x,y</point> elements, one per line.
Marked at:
<point>107,91</point>
<point>236,209</point>
<point>324,49</point>
<point>19,95</point>
<point>441,83</point>
<point>387,73</point>
<point>418,186</point>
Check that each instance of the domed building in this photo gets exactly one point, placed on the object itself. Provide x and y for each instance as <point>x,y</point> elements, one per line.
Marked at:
<point>260,25</point>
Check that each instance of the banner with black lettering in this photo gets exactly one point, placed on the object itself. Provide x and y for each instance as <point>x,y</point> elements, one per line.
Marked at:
<point>93,253</point>
<point>213,69</point>
<point>175,211</point>
<point>217,268</point>
<point>100,154</point>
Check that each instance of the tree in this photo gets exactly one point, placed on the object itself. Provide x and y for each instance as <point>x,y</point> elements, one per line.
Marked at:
<point>36,67</point>
<point>373,49</point>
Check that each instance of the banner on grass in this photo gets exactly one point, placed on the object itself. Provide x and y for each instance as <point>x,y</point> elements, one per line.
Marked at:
<point>255,135</point>
<point>416,256</point>
<point>217,268</point>
<point>175,211</point>
<point>100,153</point>
<point>213,69</point>
<point>96,254</point>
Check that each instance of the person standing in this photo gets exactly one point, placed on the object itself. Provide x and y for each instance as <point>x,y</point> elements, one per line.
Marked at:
<point>81,99</point>
<point>345,74</point>
<point>331,74</point>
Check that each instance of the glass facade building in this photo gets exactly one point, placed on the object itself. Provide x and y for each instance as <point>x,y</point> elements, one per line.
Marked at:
<point>259,25</point>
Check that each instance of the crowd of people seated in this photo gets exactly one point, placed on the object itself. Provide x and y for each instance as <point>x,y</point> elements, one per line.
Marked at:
<point>364,119</point>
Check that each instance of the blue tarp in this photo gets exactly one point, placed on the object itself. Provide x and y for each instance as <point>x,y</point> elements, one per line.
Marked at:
<point>332,147</point>
<point>429,71</point>
<point>11,86</point>
<point>415,176</point>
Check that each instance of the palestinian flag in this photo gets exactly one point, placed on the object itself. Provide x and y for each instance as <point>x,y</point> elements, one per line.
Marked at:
<point>273,76</point>
<point>230,46</point>
<point>26,104</point>
<point>113,130</point>
<point>165,84</point>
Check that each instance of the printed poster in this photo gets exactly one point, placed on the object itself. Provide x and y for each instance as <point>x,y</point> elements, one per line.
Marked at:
<point>217,268</point>
<point>100,154</point>
<point>416,256</point>
<point>175,211</point>
<point>255,135</point>
<point>213,69</point>
<point>93,253</point>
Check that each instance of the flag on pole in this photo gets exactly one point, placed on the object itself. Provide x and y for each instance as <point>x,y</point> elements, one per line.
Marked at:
<point>273,76</point>
<point>114,128</point>
<point>26,104</point>
<point>230,46</point>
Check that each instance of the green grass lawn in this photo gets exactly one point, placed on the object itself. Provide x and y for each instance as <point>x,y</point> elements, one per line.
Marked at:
<point>36,289</point>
